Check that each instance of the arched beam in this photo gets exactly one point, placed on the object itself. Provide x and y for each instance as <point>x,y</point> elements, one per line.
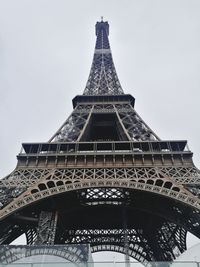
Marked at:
<point>72,253</point>
<point>48,188</point>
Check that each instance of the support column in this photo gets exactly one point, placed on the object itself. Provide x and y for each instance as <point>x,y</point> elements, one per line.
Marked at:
<point>46,230</point>
<point>126,241</point>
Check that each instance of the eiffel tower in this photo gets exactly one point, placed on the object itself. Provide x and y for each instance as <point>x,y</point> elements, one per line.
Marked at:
<point>104,178</point>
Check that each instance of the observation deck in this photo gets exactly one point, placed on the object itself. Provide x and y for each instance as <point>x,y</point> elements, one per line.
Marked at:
<point>105,153</point>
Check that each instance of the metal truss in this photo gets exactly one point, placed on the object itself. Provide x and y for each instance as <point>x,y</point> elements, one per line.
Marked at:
<point>31,236</point>
<point>9,233</point>
<point>169,238</point>
<point>106,196</point>
<point>54,181</point>
<point>111,240</point>
<point>73,253</point>
<point>17,182</point>
<point>24,178</point>
<point>103,158</point>
<point>133,127</point>
<point>103,78</point>
<point>46,228</point>
<point>71,129</point>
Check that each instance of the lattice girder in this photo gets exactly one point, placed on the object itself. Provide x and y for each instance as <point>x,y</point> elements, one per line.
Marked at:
<point>169,231</point>
<point>111,240</point>
<point>104,158</point>
<point>56,181</point>
<point>59,182</point>
<point>73,253</point>
<point>46,229</point>
<point>133,126</point>
<point>72,127</point>
<point>103,78</point>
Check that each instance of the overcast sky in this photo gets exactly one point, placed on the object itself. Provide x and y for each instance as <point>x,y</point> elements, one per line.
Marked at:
<point>46,50</point>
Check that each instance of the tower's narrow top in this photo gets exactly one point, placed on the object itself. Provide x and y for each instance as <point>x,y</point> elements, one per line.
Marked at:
<point>103,78</point>
<point>102,32</point>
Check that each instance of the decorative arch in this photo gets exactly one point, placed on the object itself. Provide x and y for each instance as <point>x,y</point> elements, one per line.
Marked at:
<point>138,254</point>
<point>48,188</point>
<point>72,253</point>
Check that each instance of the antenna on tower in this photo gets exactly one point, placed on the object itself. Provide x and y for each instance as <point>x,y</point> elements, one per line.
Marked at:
<point>101,18</point>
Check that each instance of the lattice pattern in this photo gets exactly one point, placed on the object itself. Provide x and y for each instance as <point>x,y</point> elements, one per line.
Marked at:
<point>153,179</point>
<point>72,253</point>
<point>31,236</point>
<point>85,108</point>
<point>111,240</point>
<point>194,189</point>
<point>105,196</point>
<point>135,126</point>
<point>23,178</point>
<point>103,78</point>
<point>63,180</point>
<point>46,228</point>
<point>170,238</point>
<point>104,186</point>
<point>175,238</point>
<point>72,127</point>
<point>17,182</point>
<point>182,175</point>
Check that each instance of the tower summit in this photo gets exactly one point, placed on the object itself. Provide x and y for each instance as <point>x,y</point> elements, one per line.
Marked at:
<point>104,178</point>
<point>103,78</point>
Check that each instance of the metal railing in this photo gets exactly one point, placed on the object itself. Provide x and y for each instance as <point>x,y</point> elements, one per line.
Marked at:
<point>106,147</point>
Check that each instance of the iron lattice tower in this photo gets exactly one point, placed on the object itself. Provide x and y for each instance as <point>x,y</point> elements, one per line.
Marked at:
<point>104,178</point>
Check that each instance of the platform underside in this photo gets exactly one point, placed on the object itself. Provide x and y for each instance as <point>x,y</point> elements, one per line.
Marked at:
<point>108,219</point>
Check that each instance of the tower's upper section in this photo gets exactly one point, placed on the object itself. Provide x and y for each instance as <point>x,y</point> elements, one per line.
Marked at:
<point>103,78</point>
<point>102,32</point>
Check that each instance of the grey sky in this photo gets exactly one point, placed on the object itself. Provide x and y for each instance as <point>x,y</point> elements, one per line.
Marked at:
<point>46,49</point>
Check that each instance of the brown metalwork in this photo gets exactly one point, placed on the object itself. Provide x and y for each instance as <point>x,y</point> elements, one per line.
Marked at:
<point>104,178</point>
